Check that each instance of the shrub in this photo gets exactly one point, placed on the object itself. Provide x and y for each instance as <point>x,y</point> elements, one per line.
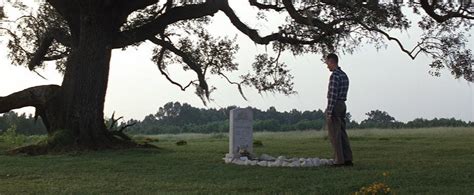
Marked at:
<point>181,142</point>
<point>11,137</point>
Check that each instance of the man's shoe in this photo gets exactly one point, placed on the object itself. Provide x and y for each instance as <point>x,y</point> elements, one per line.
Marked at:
<point>348,163</point>
<point>338,165</point>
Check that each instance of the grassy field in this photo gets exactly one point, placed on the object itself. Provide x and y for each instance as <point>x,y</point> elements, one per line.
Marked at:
<point>415,161</point>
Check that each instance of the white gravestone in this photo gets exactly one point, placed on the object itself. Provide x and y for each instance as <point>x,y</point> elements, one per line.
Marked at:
<point>240,131</point>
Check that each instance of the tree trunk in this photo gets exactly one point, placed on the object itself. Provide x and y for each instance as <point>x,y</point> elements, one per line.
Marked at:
<point>75,117</point>
<point>73,113</point>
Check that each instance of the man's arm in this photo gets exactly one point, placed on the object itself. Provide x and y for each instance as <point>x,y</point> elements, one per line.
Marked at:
<point>332,94</point>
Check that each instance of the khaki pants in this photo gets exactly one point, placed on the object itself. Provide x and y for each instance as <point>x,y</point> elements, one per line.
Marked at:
<point>338,135</point>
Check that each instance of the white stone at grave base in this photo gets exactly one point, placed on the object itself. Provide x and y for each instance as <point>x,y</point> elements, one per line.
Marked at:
<point>228,160</point>
<point>278,163</point>
<point>307,163</point>
<point>271,164</point>
<point>263,163</point>
<point>330,161</point>
<point>238,162</point>
<point>247,162</point>
<point>229,155</point>
<point>324,161</point>
<point>281,158</point>
<point>295,164</point>
<point>244,158</point>
<point>267,157</point>
<point>316,162</point>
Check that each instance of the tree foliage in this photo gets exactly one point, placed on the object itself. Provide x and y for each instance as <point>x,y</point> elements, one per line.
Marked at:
<point>319,26</point>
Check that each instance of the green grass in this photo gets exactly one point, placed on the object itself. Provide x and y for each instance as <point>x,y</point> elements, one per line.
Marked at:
<point>419,161</point>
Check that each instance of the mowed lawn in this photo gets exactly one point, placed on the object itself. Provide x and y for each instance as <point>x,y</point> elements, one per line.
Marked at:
<point>416,161</point>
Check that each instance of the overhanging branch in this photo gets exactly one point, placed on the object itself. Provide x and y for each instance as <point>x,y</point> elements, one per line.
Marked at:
<point>430,10</point>
<point>305,20</point>
<point>35,96</point>
<point>186,59</point>
<point>265,6</point>
<point>158,25</point>
<point>253,34</point>
<point>239,85</point>
<point>390,38</point>
<point>46,41</point>
<point>160,68</point>
<point>133,5</point>
<point>44,45</point>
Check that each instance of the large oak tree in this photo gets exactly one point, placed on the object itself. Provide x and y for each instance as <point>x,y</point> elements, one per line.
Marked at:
<point>79,36</point>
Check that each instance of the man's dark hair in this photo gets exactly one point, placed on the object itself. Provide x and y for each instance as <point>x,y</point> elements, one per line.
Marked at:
<point>333,56</point>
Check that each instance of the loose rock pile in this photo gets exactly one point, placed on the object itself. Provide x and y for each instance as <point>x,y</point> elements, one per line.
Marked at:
<point>268,161</point>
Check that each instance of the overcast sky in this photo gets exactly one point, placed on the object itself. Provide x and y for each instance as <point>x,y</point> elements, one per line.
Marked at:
<point>386,80</point>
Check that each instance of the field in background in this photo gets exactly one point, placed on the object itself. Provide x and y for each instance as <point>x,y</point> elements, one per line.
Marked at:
<point>427,161</point>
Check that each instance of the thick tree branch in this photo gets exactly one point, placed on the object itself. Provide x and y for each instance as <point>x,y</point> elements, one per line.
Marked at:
<point>35,96</point>
<point>158,25</point>
<point>55,57</point>
<point>265,6</point>
<point>133,5</point>
<point>209,8</point>
<point>305,20</point>
<point>46,41</point>
<point>253,34</point>
<point>44,45</point>
<point>430,10</point>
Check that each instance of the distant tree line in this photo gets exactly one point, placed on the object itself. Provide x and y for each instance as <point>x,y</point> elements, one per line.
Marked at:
<point>24,124</point>
<point>175,117</point>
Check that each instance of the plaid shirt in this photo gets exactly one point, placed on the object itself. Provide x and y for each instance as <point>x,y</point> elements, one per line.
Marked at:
<point>337,90</point>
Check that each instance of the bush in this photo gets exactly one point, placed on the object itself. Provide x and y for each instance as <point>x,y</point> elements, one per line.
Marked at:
<point>12,138</point>
<point>181,142</point>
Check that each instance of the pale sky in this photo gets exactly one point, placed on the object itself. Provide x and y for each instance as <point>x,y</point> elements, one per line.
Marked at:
<point>386,80</point>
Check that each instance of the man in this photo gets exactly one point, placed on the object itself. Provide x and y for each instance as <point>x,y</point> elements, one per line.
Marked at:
<point>336,112</point>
